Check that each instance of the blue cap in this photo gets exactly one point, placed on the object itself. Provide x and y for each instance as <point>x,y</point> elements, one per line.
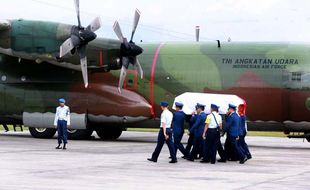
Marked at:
<point>164,103</point>
<point>231,106</point>
<point>179,104</point>
<point>214,106</point>
<point>61,100</point>
<point>198,105</point>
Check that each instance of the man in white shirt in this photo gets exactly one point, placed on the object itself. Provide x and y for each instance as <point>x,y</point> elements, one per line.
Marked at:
<point>210,135</point>
<point>165,134</point>
<point>62,120</point>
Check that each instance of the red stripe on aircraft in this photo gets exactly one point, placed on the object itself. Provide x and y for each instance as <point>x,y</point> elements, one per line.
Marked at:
<point>152,78</point>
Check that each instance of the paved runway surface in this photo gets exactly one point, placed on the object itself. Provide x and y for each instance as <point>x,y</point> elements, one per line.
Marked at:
<point>28,163</point>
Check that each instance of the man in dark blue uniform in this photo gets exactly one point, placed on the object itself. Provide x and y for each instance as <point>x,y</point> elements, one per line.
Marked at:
<point>243,131</point>
<point>197,129</point>
<point>178,129</point>
<point>232,129</point>
<point>165,134</point>
<point>190,140</point>
<point>210,135</point>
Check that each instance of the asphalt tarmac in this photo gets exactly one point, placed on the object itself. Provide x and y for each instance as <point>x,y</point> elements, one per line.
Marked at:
<point>27,163</point>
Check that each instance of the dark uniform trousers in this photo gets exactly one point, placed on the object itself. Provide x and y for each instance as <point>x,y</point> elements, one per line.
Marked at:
<point>190,142</point>
<point>220,148</point>
<point>160,143</point>
<point>235,150</point>
<point>62,131</point>
<point>211,143</point>
<point>197,147</point>
<point>244,146</point>
<point>178,145</point>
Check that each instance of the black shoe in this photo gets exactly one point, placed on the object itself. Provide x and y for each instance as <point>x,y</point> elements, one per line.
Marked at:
<point>233,160</point>
<point>58,147</point>
<point>190,159</point>
<point>64,148</point>
<point>151,160</point>
<point>205,161</point>
<point>212,162</point>
<point>249,156</point>
<point>243,160</point>
<point>221,160</point>
<point>173,161</point>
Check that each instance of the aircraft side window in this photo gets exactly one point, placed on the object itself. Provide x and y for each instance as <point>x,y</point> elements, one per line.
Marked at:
<point>296,76</point>
<point>130,82</point>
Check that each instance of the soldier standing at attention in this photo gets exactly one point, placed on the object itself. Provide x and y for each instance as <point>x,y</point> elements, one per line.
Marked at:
<point>62,120</point>
<point>210,135</point>
<point>243,131</point>
<point>232,128</point>
<point>165,134</point>
<point>197,129</point>
<point>178,129</point>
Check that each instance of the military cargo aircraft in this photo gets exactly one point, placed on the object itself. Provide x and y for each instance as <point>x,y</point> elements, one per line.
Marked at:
<point>122,83</point>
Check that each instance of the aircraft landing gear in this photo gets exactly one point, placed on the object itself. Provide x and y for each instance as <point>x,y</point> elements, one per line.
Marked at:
<point>109,133</point>
<point>78,134</point>
<point>48,133</point>
<point>43,133</point>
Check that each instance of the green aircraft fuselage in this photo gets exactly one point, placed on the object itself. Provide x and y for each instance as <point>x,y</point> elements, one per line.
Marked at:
<point>273,78</point>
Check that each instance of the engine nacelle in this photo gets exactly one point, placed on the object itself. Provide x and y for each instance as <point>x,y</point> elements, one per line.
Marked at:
<point>37,36</point>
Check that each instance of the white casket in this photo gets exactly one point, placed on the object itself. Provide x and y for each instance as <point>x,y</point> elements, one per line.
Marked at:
<point>190,99</point>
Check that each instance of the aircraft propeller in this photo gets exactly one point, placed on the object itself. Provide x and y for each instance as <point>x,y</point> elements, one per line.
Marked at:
<point>79,39</point>
<point>129,50</point>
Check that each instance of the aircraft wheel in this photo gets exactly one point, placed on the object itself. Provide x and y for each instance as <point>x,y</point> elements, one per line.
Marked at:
<point>79,134</point>
<point>109,133</point>
<point>43,133</point>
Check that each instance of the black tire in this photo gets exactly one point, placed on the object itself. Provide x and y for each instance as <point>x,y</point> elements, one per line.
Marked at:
<point>42,133</point>
<point>109,133</point>
<point>79,134</point>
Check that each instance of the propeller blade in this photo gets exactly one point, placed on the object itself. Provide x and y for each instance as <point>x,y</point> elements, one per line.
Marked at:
<point>83,61</point>
<point>94,25</point>
<point>138,67</point>
<point>135,23</point>
<point>122,78</point>
<point>77,9</point>
<point>68,45</point>
<point>118,31</point>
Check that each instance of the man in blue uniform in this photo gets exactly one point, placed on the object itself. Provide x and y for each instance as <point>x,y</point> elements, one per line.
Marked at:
<point>197,129</point>
<point>243,131</point>
<point>232,129</point>
<point>190,140</point>
<point>210,135</point>
<point>165,134</point>
<point>178,129</point>
<point>62,120</point>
